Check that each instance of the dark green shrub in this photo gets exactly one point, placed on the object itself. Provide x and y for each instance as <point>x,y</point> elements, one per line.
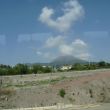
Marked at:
<point>62,93</point>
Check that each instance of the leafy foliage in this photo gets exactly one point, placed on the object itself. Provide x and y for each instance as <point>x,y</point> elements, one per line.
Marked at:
<point>62,93</point>
<point>21,69</point>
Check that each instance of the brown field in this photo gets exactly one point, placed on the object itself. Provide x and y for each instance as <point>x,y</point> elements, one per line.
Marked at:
<point>81,88</point>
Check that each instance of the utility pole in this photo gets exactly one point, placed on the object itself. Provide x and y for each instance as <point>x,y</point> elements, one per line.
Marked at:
<point>51,73</point>
<point>1,82</point>
<point>89,61</point>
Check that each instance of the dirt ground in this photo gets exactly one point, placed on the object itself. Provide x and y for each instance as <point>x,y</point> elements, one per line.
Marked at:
<point>87,87</point>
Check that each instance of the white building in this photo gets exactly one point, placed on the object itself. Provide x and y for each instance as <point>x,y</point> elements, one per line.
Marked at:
<point>67,67</point>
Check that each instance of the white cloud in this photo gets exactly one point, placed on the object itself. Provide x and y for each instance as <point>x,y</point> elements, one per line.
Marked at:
<point>77,48</point>
<point>72,12</point>
<point>66,49</point>
<point>2,40</point>
<point>54,41</point>
<point>84,55</point>
<point>48,56</point>
<point>79,42</point>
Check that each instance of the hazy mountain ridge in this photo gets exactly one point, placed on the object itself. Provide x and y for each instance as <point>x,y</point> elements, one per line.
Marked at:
<point>62,60</point>
<point>67,60</point>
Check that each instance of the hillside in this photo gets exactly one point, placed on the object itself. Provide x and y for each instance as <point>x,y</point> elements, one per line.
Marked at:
<point>67,60</point>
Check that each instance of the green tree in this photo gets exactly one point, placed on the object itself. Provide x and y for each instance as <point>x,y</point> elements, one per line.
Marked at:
<point>37,68</point>
<point>21,69</point>
<point>10,71</point>
<point>102,64</point>
<point>47,70</point>
<point>3,71</point>
<point>78,66</point>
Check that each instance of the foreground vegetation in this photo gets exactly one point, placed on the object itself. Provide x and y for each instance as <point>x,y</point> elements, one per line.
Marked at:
<point>21,69</point>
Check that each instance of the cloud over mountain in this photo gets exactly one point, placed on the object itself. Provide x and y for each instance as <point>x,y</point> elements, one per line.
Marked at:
<point>72,12</point>
<point>77,48</point>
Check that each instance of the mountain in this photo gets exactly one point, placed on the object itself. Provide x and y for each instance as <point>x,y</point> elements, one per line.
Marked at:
<point>67,60</point>
<point>61,60</point>
<point>42,64</point>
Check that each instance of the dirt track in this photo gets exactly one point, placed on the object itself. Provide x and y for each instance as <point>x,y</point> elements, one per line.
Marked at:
<point>70,107</point>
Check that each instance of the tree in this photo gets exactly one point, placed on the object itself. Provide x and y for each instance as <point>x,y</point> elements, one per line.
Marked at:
<point>3,71</point>
<point>78,66</point>
<point>36,68</point>
<point>39,69</point>
<point>10,71</point>
<point>21,69</point>
<point>47,70</point>
<point>102,64</point>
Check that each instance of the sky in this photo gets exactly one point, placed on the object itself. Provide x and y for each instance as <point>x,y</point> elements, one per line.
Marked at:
<point>41,30</point>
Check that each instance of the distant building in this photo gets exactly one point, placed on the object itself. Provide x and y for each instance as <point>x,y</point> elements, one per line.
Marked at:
<point>44,66</point>
<point>66,67</point>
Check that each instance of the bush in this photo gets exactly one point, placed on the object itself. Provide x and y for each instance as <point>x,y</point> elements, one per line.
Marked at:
<point>62,93</point>
<point>47,70</point>
<point>6,91</point>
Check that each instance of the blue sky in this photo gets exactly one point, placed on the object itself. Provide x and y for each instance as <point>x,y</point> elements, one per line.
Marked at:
<point>40,30</point>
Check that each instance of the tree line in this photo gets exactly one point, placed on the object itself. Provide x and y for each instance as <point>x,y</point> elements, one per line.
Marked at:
<point>22,69</point>
<point>91,66</point>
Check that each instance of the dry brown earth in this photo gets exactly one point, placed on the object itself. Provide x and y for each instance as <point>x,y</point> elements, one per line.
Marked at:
<point>87,87</point>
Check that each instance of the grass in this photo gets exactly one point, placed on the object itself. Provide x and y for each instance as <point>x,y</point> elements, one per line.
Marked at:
<point>35,83</point>
<point>41,82</point>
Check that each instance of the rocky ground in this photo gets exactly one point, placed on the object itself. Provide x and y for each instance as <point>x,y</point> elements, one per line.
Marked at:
<point>87,87</point>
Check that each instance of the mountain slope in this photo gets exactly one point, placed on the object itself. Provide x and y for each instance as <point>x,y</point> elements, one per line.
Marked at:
<point>67,60</point>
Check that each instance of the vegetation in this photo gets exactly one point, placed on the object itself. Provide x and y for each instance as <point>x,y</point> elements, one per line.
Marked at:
<point>91,66</point>
<point>35,83</point>
<point>6,91</point>
<point>62,93</point>
<point>22,69</point>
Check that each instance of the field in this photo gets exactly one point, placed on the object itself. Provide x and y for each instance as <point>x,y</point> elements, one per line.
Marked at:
<point>83,90</point>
